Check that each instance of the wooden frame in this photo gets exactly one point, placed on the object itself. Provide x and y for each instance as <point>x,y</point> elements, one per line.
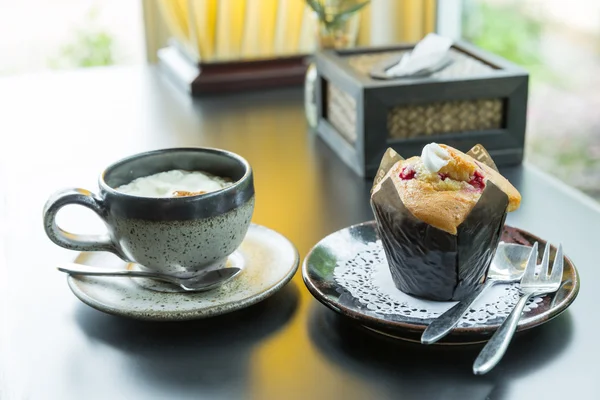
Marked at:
<point>200,79</point>
<point>375,97</point>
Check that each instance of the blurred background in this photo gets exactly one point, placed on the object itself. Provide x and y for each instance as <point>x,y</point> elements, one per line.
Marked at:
<point>557,41</point>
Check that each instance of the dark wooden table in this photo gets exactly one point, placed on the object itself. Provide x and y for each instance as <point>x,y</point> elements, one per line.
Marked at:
<point>61,129</point>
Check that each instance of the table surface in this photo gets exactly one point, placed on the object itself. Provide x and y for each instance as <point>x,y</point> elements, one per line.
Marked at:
<point>61,129</point>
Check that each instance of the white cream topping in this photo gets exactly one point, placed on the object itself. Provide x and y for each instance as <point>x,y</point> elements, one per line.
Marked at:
<point>164,184</point>
<point>434,157</point>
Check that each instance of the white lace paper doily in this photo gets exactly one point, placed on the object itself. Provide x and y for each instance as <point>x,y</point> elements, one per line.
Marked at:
<point>366,276</point>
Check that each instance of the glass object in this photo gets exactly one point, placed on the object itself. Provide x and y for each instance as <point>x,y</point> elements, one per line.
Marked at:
<point>336,27</point>
<point>310,98</point>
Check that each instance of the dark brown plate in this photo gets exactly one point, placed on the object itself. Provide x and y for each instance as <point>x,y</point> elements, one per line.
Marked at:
<point>319,265</point>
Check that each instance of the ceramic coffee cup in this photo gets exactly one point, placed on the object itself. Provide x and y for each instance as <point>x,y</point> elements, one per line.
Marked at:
<point>164,234</point>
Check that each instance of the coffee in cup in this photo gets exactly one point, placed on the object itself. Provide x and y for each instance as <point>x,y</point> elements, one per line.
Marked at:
<point>175,183</point>
<point>167,210</point>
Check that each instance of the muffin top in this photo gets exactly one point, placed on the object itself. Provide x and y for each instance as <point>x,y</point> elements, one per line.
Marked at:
<point>442,185</point>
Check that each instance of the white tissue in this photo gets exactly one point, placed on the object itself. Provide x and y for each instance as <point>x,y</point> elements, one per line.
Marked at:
<point>429,52</point>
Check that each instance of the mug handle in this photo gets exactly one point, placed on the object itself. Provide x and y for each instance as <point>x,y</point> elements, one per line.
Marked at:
<point>74,241</point>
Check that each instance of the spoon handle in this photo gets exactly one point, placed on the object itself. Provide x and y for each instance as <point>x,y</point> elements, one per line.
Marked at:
<point>80,269</point>
<point>443,324</point>
<point>494,349</point>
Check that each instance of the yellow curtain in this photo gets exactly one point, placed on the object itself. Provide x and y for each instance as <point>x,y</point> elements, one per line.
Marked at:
<point>216,30</point>
<point>289,24</point>
<point>204,18</point>
<point>364,30</point>
<point>408,21</point>
<point>259,30</point>
<point>175,13</point>
<point>230,28</point>
<point>419,18</point>
<point>306,43</point>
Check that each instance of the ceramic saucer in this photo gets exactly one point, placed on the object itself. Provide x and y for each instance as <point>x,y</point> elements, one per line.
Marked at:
<point>348,272</point>
<point>268,261</point>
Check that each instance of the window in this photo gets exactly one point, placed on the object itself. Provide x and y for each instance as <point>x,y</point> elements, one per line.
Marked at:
<point>57,34</point>
<point>558,42</point>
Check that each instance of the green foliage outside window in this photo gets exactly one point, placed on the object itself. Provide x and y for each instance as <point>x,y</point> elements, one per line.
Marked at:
<point>90,47</point>
<point>508,31</point>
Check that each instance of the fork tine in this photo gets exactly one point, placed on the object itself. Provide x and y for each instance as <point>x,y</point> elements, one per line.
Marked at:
<point>529,274</point>
<point>545,262</point>
<point>557,266</point>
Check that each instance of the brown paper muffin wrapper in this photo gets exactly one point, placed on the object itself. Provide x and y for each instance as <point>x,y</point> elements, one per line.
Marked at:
<point>426,261</point>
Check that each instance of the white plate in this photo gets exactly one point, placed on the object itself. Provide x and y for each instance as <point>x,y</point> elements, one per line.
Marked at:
<point>348,272</point>
<point>268,262</point>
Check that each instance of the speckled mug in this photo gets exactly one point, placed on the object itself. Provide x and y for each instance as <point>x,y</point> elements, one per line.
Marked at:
<point>164,234</point>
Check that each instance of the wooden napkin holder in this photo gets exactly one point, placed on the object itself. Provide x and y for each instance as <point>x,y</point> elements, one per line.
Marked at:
<point>478,98</point>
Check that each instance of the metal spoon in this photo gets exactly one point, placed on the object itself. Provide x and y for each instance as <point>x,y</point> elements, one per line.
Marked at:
<point>508,265</point>
<point>190,281</point>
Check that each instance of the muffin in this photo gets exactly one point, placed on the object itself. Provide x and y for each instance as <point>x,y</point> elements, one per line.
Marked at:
<point>440,217</point>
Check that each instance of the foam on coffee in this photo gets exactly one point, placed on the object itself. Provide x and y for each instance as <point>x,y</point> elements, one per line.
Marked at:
<point>175,183</point>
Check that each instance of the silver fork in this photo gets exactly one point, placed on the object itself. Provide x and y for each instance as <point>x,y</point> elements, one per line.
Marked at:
<point>531,285</point>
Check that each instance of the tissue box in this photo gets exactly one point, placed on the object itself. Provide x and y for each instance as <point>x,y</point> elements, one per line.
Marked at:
<point>478,99</point>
